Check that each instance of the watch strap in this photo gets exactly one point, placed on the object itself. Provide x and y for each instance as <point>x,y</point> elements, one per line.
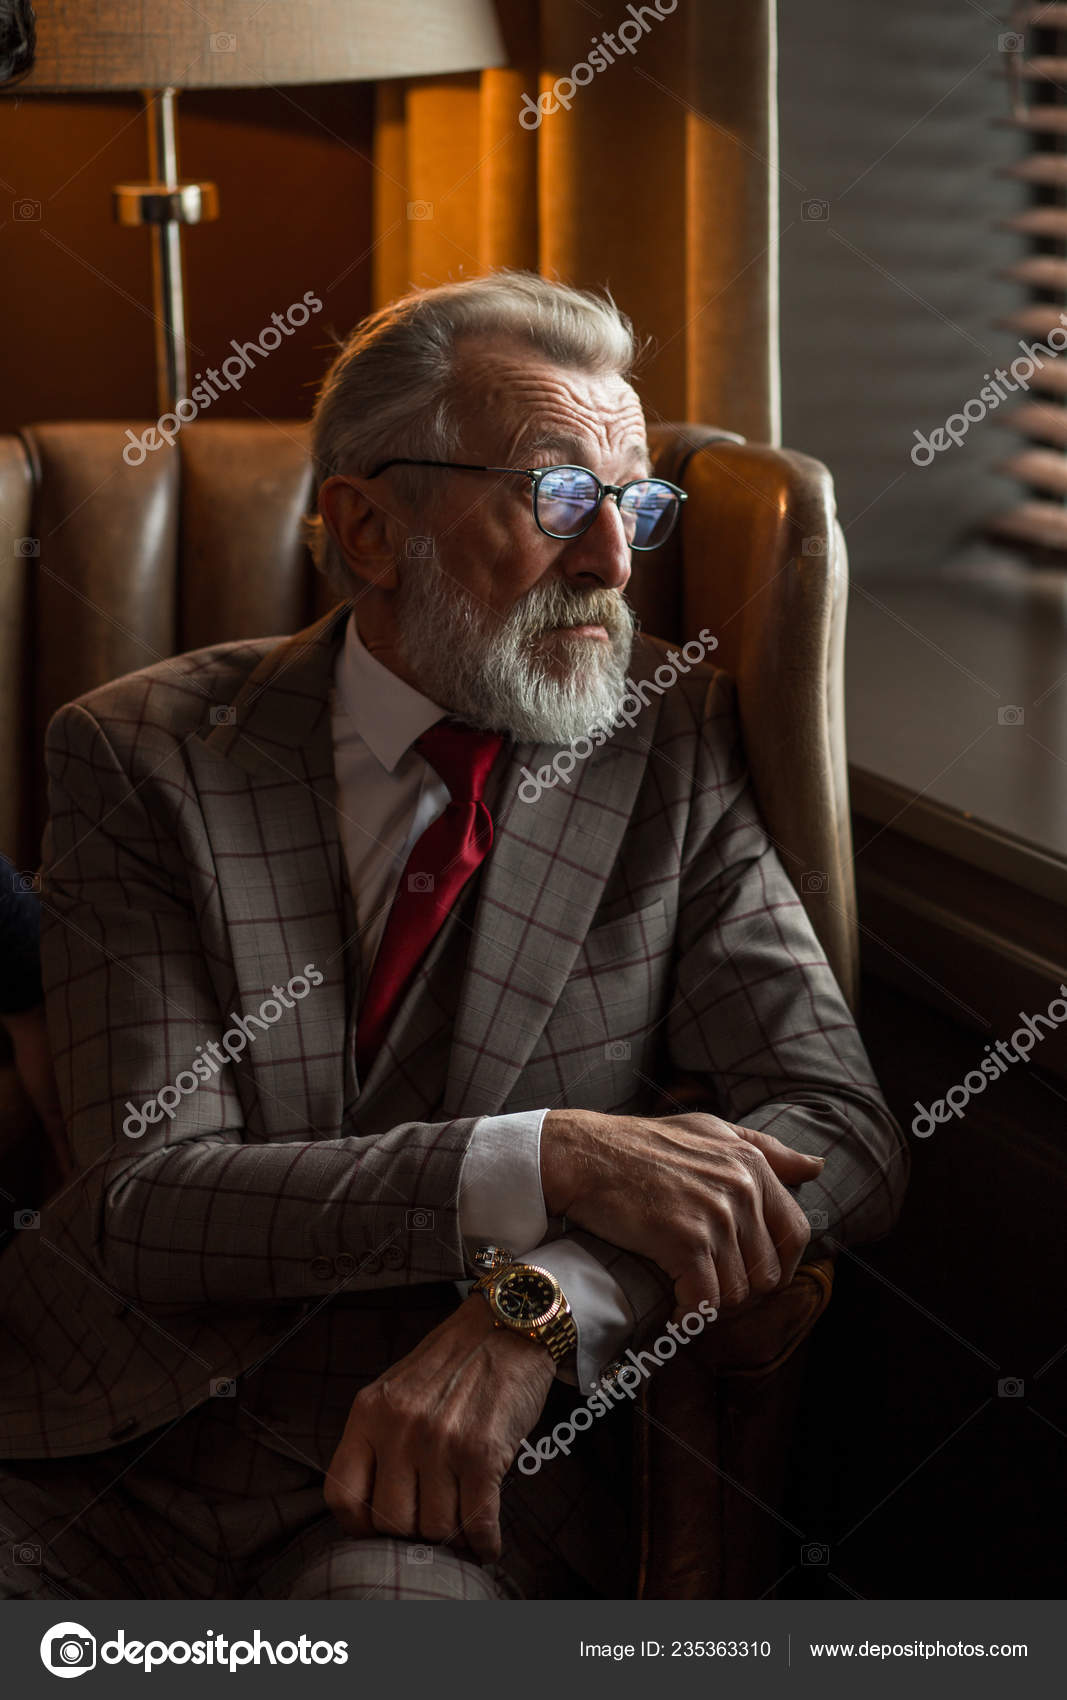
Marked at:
<point>560,1335</point>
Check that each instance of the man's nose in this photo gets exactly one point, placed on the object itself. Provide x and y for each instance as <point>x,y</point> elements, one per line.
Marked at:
<point>602,552</point>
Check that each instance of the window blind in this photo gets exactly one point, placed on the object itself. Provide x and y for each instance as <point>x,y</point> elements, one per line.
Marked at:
<point>1035,50</point>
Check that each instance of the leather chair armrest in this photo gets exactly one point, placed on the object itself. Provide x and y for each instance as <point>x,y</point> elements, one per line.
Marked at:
<point>712,1436</point>
<point>757,1339</point>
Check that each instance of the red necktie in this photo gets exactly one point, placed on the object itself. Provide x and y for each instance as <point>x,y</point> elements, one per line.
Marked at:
<point>441,862</point>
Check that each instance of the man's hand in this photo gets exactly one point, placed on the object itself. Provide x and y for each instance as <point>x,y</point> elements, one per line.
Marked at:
<point>426,1446</point>
<point>702,1198</point>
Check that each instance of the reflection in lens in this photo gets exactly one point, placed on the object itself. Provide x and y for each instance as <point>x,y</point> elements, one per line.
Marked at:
<point>648,510</point>
<point>565,499</point>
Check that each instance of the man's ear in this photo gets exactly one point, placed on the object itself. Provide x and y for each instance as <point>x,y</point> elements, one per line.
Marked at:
<point>361,528</point>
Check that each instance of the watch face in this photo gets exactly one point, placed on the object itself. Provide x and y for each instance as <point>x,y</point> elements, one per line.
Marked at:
<point>525,1296</point>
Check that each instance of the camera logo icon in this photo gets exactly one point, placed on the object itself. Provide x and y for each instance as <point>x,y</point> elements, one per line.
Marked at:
<point>420,1555</point>
<point>223,715</point>
<point>1011,715</point>
<point>1012,42</point>
<point>816,212</point>
<point>420,882</point>
<point>26,212</point>
<point>813,546</point>
<point>418,1221</point>
<point>222,1387</point>
<point>815,1553</point>
<point>1011,1387</point>
<point>224,42</point>
<point>420,549</point>
<point>815,880</point>
<point>818,1221</point>
<point>24,881</point>
<point>420,209</point>
<point>68,1649</point>
<point>27,1218</point>
<point>27,548</point>
<point>617,1050</point>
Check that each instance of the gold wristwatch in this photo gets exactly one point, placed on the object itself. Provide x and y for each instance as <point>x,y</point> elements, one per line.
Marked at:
<point>527,1299</point>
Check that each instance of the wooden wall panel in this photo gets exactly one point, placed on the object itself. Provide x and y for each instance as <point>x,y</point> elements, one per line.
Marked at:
<point>295,183</point>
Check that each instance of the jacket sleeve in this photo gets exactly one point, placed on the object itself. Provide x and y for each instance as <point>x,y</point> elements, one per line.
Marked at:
<point>193,1208</point>
<point>758,1024</point>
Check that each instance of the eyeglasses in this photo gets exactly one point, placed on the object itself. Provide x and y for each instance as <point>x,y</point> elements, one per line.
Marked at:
<point>566,499</point>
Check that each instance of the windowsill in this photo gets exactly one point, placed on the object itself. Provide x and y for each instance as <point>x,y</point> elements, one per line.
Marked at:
<point>960,815</point>
<point>930,666</point>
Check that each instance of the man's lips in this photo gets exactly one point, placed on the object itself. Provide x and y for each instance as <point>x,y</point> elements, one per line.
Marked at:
<point>586,631</point>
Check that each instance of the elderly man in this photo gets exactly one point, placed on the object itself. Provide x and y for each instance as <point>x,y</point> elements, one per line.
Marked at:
<point>369,955</point>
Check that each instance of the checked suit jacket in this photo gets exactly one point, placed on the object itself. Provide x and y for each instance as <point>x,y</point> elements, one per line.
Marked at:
<point>631,926</point>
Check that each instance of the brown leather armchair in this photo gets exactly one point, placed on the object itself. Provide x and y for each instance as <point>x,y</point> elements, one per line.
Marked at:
<point>114,567</point>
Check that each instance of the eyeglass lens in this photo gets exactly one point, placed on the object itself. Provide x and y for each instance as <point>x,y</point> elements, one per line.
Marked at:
<point>567,496</point>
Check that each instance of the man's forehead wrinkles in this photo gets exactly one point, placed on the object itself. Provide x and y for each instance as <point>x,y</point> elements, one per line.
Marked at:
<point>602,393</point>
<point>565,441</point>
<point>552,420</point>
<point>545,414</point>
<point>532,383</point>
<point>522,406</point>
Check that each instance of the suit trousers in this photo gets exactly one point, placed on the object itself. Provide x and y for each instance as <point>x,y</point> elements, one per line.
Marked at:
<point>206,1509</point>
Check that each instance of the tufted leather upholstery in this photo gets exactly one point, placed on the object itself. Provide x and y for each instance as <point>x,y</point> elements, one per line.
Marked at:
<point>111,567</point>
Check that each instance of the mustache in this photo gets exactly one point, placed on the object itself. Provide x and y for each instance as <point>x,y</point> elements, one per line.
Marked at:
<point>545,608</point>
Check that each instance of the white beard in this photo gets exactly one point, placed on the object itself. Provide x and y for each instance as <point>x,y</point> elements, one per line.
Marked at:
<point>489,669</point>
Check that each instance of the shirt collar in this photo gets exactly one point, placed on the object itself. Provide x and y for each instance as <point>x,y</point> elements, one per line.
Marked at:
<point>388,713</point>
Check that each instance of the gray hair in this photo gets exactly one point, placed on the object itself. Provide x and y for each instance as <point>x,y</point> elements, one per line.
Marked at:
<point>391,391</point>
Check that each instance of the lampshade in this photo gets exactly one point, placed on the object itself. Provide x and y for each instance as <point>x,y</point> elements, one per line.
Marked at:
<point>139,44</point>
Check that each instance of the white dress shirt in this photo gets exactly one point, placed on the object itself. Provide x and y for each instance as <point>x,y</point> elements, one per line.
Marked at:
<point>387,795</point>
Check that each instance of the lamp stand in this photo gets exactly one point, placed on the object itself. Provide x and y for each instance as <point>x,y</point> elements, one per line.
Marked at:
<point>166,204</point>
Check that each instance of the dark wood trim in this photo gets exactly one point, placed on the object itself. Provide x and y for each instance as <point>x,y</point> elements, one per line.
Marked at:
<point>959,915</point>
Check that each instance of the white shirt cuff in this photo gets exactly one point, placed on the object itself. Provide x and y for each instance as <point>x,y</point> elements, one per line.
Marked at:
<point>601,1310</point>
<point>500,1198</point>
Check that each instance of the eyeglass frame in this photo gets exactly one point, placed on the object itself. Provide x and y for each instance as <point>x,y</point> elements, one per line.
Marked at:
<point>535,475</point>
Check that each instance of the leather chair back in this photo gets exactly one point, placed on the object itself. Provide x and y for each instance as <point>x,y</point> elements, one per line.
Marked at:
<point>111,567</point>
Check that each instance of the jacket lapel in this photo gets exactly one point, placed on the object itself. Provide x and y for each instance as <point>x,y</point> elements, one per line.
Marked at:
<point>282,712</point>
<point>546,874</point>
<point>277,849</point>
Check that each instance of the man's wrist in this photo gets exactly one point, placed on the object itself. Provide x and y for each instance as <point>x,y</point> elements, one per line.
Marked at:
<point>564,1134</point>
<point>506,1344</point>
